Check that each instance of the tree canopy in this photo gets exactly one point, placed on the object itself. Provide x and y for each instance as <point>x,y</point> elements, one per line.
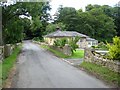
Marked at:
<point>14,26</point>
<point>99,22</point>
<point>28,20</point>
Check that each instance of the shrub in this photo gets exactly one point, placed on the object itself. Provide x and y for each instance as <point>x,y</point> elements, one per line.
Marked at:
<point>36,38</point>
<point>114,49</point>
<point>60,42</point>
<point>102,46</point>
<point>73,43</point>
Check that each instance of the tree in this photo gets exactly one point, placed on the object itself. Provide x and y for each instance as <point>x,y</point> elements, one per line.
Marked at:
<point>14,32</point>
<point>113,12</point>
<point>52,27</point>
<point>11,15</point>
<point>67,16</point>
<point>27,28</point>
<point>93,22</point>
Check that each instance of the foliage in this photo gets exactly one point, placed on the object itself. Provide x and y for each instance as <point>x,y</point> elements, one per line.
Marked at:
<point>60,42</point>
<point>113,12</point>
<point>36,38</point>
<point>27,25</point>
<point>13,16</point>
<point>93,22</point>
<point>102,46</point>
<point>14,32</point>
<point>57,53</point>
<point>52,27</point>
<point>102,72</point>
<point>73,43</point>
<point>76,54</point>
<point>114,49</point>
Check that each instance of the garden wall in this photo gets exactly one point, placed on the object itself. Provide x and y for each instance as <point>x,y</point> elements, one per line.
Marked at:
<point>8,49</point>
<point>66,49</point>
<point>91,56</point>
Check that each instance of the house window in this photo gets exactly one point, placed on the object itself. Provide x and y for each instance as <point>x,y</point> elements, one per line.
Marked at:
<point>93,43</point>
<point>89,43</point>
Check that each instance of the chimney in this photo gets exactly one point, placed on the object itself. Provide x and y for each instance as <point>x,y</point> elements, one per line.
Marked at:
<point>58,29</point>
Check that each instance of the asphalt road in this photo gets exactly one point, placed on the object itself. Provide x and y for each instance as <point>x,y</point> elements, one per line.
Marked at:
<point>38,68</point>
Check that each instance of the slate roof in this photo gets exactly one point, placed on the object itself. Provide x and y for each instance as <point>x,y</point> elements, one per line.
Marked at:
<point>59,33</point>
<point>90,39</point>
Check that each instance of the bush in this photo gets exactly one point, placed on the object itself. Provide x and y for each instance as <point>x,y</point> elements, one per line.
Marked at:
<point>60,42</point>
<point>102,46</point>
<point>114,49</point>
<point>73,43</point>
<point>36,38</point>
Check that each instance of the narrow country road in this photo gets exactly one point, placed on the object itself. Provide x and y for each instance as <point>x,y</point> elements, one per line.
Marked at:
<point>38,68</point>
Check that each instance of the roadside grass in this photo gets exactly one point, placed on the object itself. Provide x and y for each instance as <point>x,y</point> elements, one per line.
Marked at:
<point>8,63</point>
<point>57,53</point>
<point>75,55</point>
<point>103,72</point>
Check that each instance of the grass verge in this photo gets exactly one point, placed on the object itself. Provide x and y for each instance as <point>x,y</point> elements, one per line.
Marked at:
<point>57,53</point>
<point>102,72</point>
<point>8,63</point>
<point>75,55</point>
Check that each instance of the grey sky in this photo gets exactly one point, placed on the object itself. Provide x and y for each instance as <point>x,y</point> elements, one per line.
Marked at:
<point>79,3</point>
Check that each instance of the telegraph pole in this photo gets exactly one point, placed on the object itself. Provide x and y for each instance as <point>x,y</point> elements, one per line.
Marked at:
<point>1,39</point>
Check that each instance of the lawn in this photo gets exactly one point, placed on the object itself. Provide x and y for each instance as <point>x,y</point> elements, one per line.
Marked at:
<point>76,54</point>
<point>7,64</point>
<point>102,72</point>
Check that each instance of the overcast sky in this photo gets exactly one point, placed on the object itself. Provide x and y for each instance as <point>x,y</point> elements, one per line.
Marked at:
<point>79,3</point>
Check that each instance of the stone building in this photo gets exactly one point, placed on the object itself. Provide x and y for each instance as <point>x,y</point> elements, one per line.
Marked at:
<point>82,43</point>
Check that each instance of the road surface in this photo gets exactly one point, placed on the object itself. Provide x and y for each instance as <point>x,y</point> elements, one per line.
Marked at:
<point>38,68</point>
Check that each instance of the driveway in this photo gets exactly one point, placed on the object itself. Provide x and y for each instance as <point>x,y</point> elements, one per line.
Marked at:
<point>38,68</point>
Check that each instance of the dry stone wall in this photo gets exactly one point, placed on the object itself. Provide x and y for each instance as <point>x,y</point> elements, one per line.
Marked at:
<point>66,49</point>
<point>113,65</point>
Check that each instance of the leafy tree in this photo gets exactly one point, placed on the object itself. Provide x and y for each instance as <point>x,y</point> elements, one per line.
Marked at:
<point>14,32</point>
<point>67,16</point>
<point>11,14</point>
<point>113,12</point>
<point>93,22</point>
<point>27,28</point>
<point>52,27</point>
<point>114,50</point>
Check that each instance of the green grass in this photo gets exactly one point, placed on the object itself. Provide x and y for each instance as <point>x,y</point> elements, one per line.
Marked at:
<point>8,63</point>
<point>76,54</point>
<point>57,53</point>
<point>102,72</point>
